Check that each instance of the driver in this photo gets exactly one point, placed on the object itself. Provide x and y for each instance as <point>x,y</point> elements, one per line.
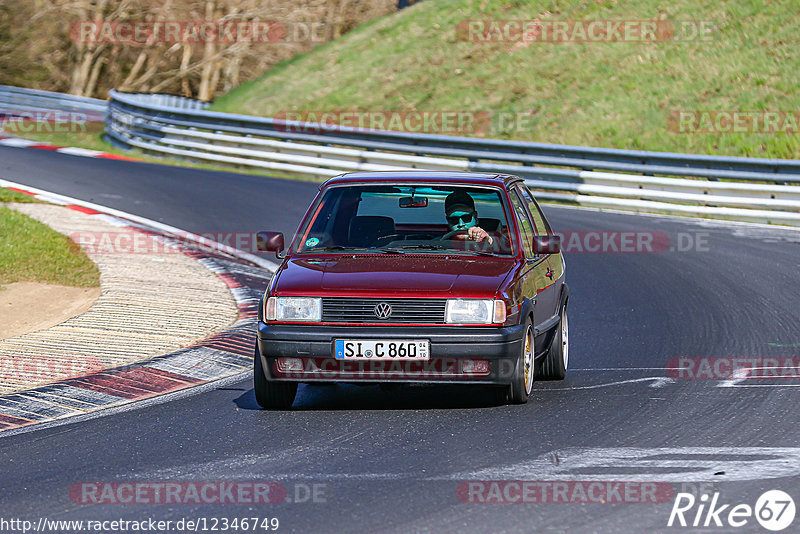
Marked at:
<point>459,207</point>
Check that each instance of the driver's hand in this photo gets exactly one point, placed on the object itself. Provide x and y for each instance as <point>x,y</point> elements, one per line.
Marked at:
<point>476,233</point>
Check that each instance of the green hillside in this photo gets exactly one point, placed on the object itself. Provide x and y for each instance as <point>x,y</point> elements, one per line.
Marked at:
<point>622,94</point>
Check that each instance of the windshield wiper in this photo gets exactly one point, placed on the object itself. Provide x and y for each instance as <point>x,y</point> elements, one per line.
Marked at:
<point>441,247</point>
<point>484,253</point>
<point>330,247</point>
<point>412,247</point>
<point>354,249</point>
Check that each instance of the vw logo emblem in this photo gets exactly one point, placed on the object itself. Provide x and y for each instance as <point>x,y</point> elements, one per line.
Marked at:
<point>383,310</point>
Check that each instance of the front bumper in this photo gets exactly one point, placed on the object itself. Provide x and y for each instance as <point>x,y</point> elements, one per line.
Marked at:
<point>454,353</point>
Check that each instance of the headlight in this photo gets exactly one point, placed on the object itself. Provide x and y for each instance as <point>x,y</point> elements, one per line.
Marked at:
<point>475,311</point>
<point>293,309</point>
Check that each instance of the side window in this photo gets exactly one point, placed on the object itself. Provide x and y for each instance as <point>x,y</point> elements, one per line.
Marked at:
<point>526,231</point>
<point>539,222</point>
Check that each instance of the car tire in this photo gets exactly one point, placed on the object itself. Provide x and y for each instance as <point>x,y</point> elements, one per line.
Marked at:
<point>522,383</point>
<point>271,395</point>
<point>555,363</point>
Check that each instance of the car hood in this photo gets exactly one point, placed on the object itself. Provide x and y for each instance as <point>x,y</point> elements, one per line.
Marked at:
<point>372,274</point>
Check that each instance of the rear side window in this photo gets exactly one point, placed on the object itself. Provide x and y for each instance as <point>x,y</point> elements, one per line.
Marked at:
<point>539,222</point>
<point>525,229</point>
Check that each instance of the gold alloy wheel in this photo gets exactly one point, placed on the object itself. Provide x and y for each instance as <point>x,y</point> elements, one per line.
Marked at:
<point>528,356</point>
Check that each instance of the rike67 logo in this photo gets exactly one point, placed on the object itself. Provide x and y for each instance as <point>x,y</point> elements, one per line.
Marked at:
<point>774,510</point>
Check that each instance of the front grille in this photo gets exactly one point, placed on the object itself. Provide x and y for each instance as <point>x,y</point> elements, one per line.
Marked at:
<point>362,310</point>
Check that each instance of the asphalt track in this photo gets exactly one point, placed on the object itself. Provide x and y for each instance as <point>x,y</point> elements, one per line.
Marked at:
<point>393,461</point>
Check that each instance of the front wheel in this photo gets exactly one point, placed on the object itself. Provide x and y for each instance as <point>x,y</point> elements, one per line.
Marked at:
<point>276,395</point>
<point>522,383</point>
<point>554,366</point>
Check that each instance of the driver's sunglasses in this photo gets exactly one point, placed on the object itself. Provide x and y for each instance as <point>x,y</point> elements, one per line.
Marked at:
<point>453,219</point>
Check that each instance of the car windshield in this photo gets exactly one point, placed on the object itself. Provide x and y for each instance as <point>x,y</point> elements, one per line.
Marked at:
<point>398,219</point>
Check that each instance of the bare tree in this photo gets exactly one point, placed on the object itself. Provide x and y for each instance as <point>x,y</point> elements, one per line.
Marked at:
<point>74,46</point>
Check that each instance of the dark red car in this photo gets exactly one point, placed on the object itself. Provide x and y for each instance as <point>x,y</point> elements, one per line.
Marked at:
<point>415,277</point>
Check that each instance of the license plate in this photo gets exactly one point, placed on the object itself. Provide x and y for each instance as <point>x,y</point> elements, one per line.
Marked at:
<point>381,349</point>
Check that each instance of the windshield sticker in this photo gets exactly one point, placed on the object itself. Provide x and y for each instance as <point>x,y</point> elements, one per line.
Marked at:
<point>313,242</point>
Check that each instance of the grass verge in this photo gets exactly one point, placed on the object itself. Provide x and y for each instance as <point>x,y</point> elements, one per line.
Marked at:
<point>32,252</point>
<point>621,94</point>
<point>9,195</point>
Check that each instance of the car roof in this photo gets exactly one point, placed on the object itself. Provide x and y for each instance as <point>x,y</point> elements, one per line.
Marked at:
<point>466,178</point>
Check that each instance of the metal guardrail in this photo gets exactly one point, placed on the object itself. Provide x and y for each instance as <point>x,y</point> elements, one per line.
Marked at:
<point>18,99</point>
<point>747,189</point>
<point>168,101</point>
<point>476,149</point>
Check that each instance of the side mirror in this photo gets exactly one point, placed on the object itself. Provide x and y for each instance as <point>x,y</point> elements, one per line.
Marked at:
<point>546,244</point>
<point>270,242</point>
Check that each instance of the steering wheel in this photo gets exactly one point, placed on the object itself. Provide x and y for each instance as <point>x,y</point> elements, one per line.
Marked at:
<point>450,234</point>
